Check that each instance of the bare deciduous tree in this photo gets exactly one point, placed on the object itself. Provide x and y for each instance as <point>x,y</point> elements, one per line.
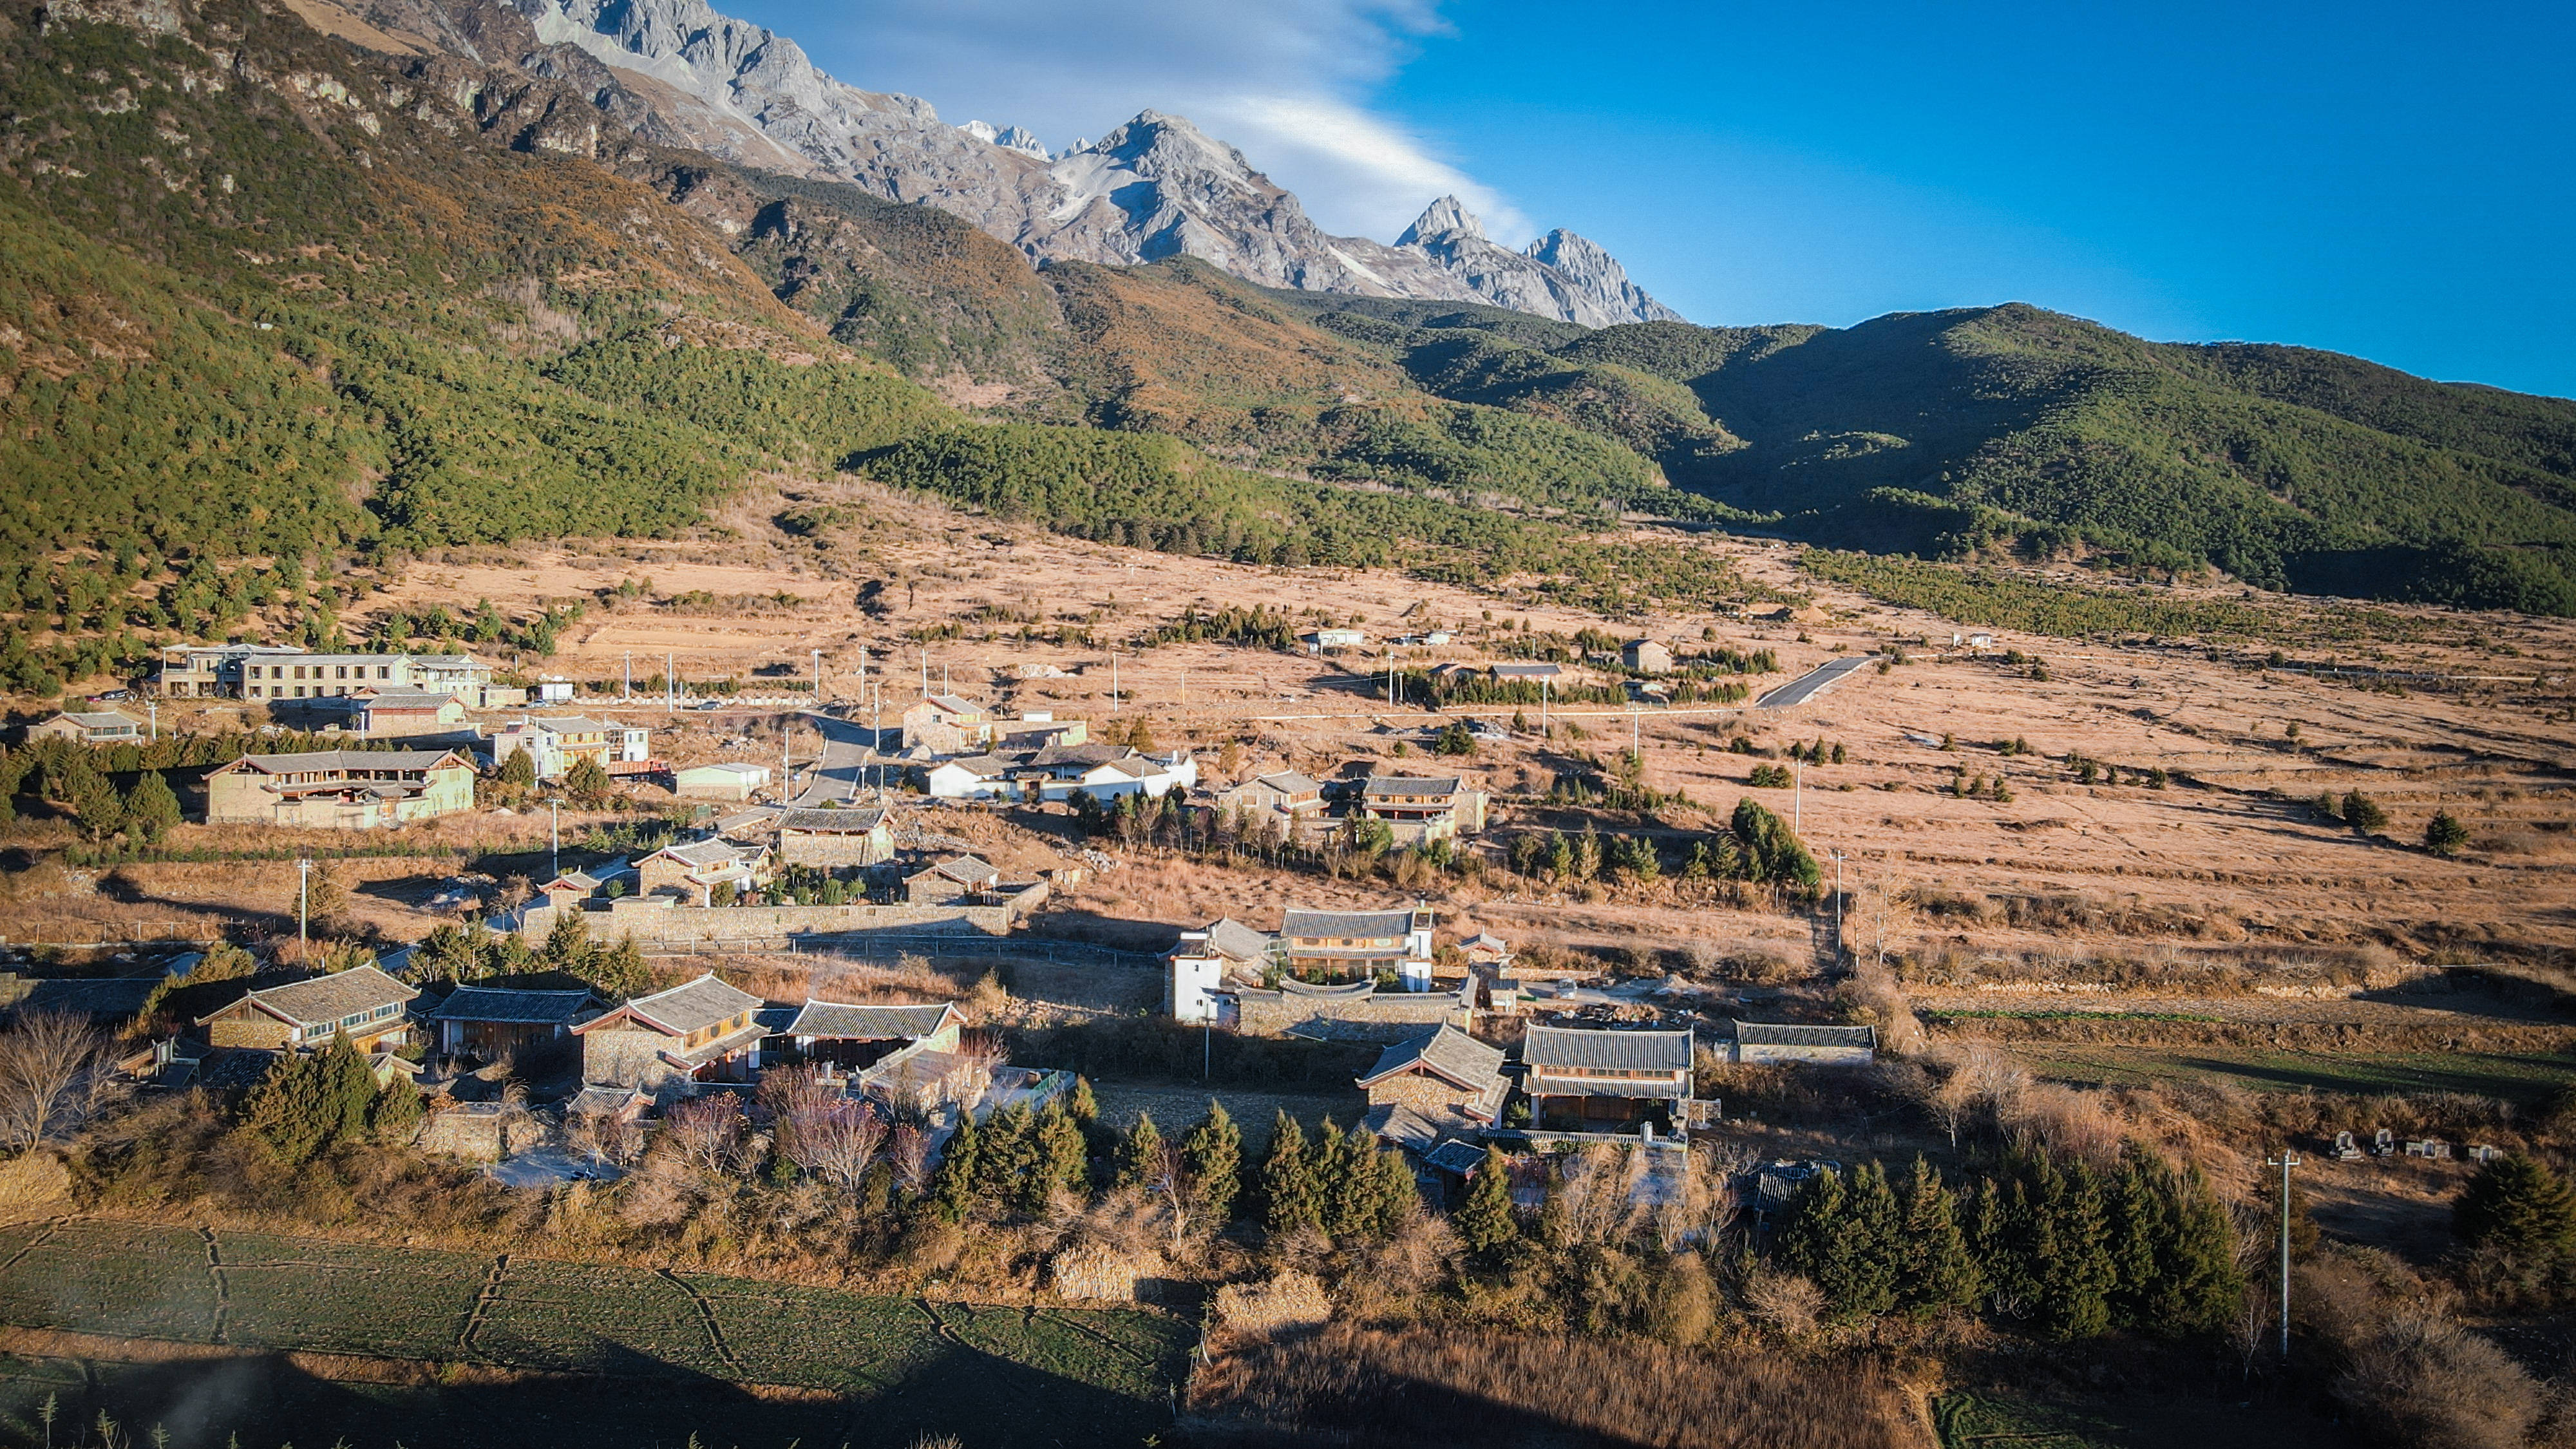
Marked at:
<point>836,1140</point>
<point>705,1130</point>
<point>908,1149</point>
<point>52,1077</point>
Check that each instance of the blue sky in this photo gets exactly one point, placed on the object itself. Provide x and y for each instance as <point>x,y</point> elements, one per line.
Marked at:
<point>2394,182</point>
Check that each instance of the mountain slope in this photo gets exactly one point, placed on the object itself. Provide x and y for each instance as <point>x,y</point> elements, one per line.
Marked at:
<point>677,73</point>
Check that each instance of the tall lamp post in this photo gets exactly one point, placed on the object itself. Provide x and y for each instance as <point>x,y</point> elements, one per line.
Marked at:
<point>303,906</point>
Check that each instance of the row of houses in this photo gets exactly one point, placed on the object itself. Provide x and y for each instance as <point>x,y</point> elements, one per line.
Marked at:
<point>660,1046</point>
<point>1416,810</point>
<point>273,672</point>
<point>1060,772</point>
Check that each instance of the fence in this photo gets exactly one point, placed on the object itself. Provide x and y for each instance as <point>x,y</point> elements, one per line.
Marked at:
<point>140,933</point>
<point>887,949</point>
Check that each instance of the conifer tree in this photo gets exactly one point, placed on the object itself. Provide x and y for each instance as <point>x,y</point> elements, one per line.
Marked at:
<point>1485,1221</point>
<point>1342,1185</point>
<point>1009,1153</point>
<point>2517,1206</point>
<point>151,808</point>
<point>1288,1196</point>
<point>2075,1275</point>
<point>954,1187</point>
<point>2141,1226</point>
<point>1397,1195</point>
<point>2199,1286</point>
<point>1213,1153</point>
<point>1140,1155</point>
<point>1940,1273</point>
<point>1063,1160</point>
<point>1842,1236</point>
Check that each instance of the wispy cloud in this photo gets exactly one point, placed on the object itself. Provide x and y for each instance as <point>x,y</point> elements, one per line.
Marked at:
<point>1287,81</point>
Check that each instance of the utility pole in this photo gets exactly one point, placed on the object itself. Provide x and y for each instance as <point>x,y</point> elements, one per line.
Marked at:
<point>2287,1160</point>
<point>155,709</point>
<point>627,694</point>
<point>818,679</point>
<point>1543,726</point>
<point>554,841</point>
<point>1113,682</point>
<point>1838,907</point>
<point>670,685</point>
<point>1636,746</point>
<point>925,674</point>
<point>303,906</point>
<point>1797,787</point>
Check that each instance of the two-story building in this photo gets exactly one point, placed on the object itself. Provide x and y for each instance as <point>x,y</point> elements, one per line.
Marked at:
<point>946,724</point>
<point>1289,801</point>
<point>1331,946</point>
<point>1442,1086</point>
<point>300,676</point>
<point>362,1003</point>
<point>491,1022</point>
<point>554,744</point>
<point>211,671</point>
<point>695,871</point>
<point>1195,970</point>
<point>340,789</point>
<point>1592,1079</point>
<point>704,1031</point>
<point>1418,811</point>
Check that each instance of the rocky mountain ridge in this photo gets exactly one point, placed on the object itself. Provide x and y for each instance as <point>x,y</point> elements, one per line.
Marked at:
<point>679,73</point>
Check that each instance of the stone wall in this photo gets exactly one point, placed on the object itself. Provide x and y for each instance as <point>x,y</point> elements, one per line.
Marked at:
<point>748,925</point>
<point>1356,1013</point>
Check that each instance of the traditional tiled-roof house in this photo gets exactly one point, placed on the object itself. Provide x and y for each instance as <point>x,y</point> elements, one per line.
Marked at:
<point>362,1002</point>
<point>1439,1085</point>
<point>857,1037</point>
<point>703,1031</point>
<point>1286,798</point>
<point>489,1021</point>
<point>693,872</point>
<point>1418,810</point>
<point>399,711</point>
<point>958,878</point>
<point>339,789</point>
<point>1766,1042</point>
<point>835,839</point>
<point>1357,945</point>
<point>973,777</point>
<point>1592,1079</point>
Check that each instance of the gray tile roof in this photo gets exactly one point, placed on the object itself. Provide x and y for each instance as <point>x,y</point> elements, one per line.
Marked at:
<point>1764,1033</point>
<point>1287,782</point>
<point>1456,1155</point>
<point>984,766</point>
<point>101,720</point>
<point>1526,671</point>
<point>326,999</point>
<point>1365,924</point>
<point>1409,785</point>
<point>705,853</point>
<point>491,1003</point>
<point>700,1003</point>
<point>1234,940</point>
<point>856,822</point>
<point>332,761</point>
<point>964,869</point>
<point>871,1023</point>
<point>1404,1126</point>
<point>1051,756</point>
<point>1601,1050</point>
<point>1449,1052</point>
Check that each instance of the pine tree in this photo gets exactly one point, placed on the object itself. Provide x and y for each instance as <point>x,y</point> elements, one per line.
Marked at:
<point>1341,1189</point>
<point>1940,1273</point>
<point>151,808</point>
<point>2517,1206</point>
<point>2076,1275</point>
<point>954,1188</point>
<point>1842,1236</point>
<point>618,972</point>
<point>1485,1221</point>
<point>1213,1153</point>
<point>568,946</point>
<point>587,781</point>
<point>2141,1238</point>
<point>1288,1197</point>
<point>1398,1195</point>
<point>1063,1159</point>
<point>1009,1155</point>
<point>1140,1156</point>
<point>518,773</point>
<point>2199,1287</point>
<point>98,808</point>
<point>2444,834</point>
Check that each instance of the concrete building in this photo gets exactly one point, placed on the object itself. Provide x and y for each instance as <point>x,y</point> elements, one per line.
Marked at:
<point>1195,969</point>
<point>1318,641</point>
<point>210,671</point>
<point>1645,656</point>
<point>732,780</point>
<point>946,724</point>
<point>276,678</point>
<point>340,789</point>
<point>835,839</point>
<point>102,727</point>
<point>554,744</point>
<point>406,711</point>
<point>692,873</point>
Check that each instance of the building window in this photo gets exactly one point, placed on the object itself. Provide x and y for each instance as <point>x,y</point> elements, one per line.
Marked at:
<point>299,689</point>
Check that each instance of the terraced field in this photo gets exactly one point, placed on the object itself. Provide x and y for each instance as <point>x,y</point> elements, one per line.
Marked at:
<point>907,1360</point>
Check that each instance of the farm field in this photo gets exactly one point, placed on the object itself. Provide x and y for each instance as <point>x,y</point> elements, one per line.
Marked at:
<point>1992,1421</point>
<point>1110,1370</point>
<point>2520,1078</point>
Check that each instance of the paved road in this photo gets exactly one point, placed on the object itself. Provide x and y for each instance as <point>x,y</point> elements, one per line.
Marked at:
<point>844,766</point>
<point>1812,683</point>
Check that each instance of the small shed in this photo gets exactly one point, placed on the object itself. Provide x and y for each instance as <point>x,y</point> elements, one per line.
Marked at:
<point>830,839</point>
<point>1766,1042</point>
<point>731,780</point>
<point>1645,656</point>
<point>955,879</point>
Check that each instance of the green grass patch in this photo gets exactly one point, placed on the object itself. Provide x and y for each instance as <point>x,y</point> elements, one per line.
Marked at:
<point>1976,1421</point>
<point>2514,1077</point>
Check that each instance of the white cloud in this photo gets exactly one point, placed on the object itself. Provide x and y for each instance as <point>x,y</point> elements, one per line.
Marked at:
<point>1287,81</point>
